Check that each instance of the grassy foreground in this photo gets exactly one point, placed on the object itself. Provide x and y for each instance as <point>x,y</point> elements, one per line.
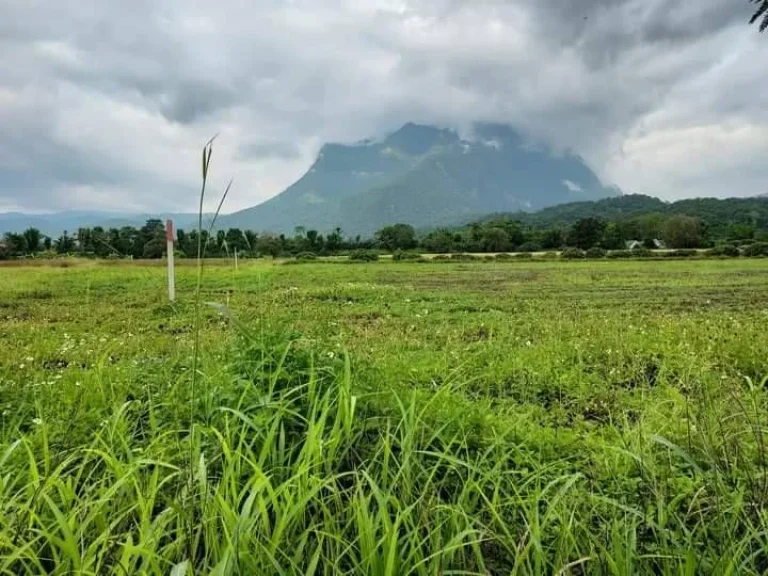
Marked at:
<point>384,418</point>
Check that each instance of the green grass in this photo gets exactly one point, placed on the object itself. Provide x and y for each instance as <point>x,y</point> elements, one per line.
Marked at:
<point>385,418</point>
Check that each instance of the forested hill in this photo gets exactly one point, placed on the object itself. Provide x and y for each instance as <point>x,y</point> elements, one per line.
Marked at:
<point>719,215</point>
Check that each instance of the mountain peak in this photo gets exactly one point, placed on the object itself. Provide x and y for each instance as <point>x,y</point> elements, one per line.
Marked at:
<point>424,176</point>
<point>418,139</point>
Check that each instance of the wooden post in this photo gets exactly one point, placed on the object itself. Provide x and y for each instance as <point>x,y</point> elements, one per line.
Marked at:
<point>171,270</point>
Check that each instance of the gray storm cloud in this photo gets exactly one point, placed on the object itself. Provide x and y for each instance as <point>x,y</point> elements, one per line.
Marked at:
<point>105,104</point>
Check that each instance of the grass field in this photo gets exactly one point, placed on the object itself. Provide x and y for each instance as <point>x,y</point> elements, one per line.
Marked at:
<point>384,418</point>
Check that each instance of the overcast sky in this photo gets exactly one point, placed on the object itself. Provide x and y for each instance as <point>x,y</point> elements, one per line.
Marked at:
<point>105,104</point>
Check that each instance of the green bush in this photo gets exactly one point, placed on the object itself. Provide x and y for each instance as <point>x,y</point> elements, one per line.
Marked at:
<point>306,256</point>
<point>573,254</point>
<point>756,250</point>
<point>728,250</point>
<point>641,253</point>
<point>681,253</point>
<point>363,256</point>
<point>619,254</point>
<point>503,256</point>
<point>524,256</point>
<point>401,255</point>
<point>595,252</point>
<point>464,257</point>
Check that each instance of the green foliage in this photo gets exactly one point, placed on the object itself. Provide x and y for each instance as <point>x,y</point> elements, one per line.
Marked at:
<point>306,256</point>
<point>586,233</point>
<point>363,256</point>
<point>495,240</point>
<point>402,256</point>
<point>573,254</point>
<point>595,252</point>
<point>396,237</point>
<point>684,232</point>
<point>680,253</point>
<point>755,250</point>
<point>641,252</point>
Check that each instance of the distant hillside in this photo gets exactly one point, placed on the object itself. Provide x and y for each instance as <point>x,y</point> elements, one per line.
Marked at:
<point>719,214</point>
<point>54,224</point>
<point>423,176</point>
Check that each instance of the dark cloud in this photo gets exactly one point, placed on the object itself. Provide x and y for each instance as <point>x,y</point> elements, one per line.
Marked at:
<point>108,102</point>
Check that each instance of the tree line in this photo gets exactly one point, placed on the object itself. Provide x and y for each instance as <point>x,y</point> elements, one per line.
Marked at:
<point>488,236</point>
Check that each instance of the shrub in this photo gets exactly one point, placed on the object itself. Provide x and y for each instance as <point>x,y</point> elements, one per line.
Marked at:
<point>464,257</point>
<point>756,250</point>
<point>641,253</point>
<point>524,256</point>
<point>363,256</point>
<point>306,256</point>
<point>550,256</point>
<point>619,254</point>
<point>595,252</point>
<point>503,256</point>
<point>529,247</point>
<point>681,253</point>
<point>401,255</point>
<point>729,250</point>
<point>573,254</point>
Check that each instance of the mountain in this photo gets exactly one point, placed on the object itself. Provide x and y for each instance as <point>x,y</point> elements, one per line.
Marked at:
<point>55,223</point>
<point>424,176</point>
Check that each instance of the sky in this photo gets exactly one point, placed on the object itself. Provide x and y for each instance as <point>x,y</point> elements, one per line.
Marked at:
<point>106,104</point>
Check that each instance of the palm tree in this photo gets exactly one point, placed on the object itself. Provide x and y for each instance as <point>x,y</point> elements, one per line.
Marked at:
<point>762,12</point>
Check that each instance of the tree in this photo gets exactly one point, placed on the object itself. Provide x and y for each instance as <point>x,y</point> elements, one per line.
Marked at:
<point>439,241</point>
<point>251,238</point>
<point>612,237</point>
<point>684,232</point>
<point>334,240</point>
<point>495,240</point>
<point>397,237</point>
<point>552,239</point>
<point>153,229</point>
<point>47,242</point>
<point>101,247</point>
<point>65,244</point>
<point>84,240</point>
<point>586,233</point>
<point>762,12</point>
<point>236,240</point>
<point>16,243</point>
<point>269,244</point>
<point>33,238</point>
<point>155,248</point>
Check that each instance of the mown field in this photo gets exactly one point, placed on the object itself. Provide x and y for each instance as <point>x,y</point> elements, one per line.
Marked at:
<point>385,418</point>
